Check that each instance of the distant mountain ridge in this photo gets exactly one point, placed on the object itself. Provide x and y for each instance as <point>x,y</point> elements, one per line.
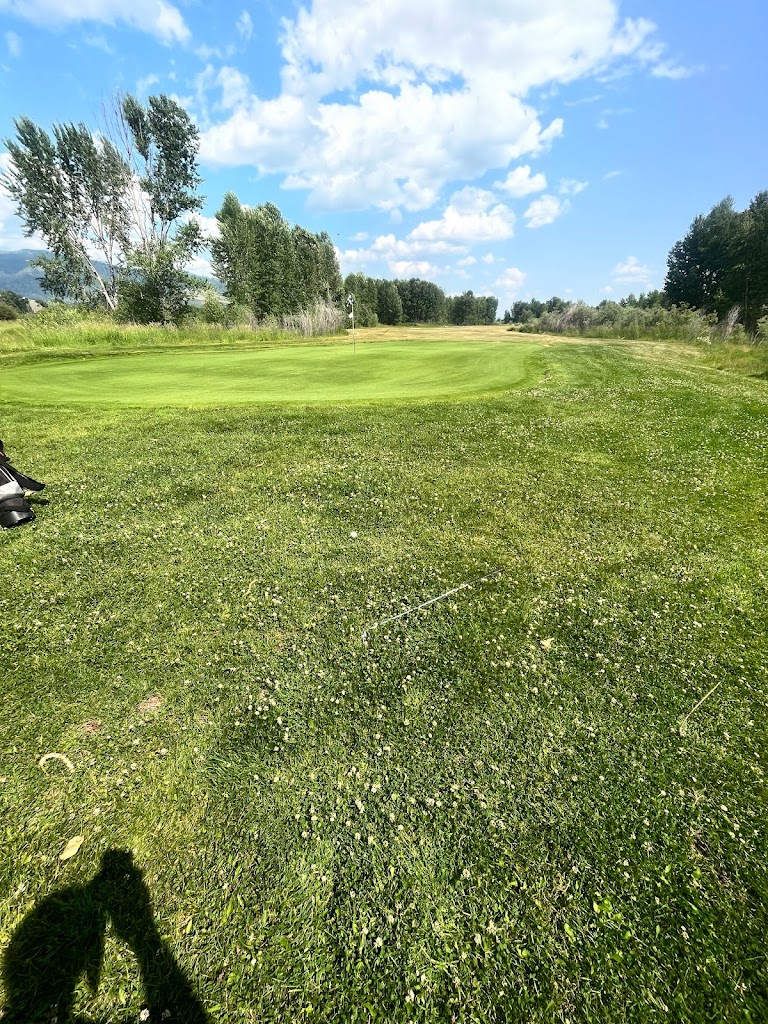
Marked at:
<point>16,275</point>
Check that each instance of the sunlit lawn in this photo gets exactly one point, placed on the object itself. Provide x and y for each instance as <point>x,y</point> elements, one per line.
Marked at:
<point>510,806</point>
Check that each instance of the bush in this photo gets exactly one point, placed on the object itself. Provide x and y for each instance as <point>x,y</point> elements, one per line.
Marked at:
<point>18,302</point>
<point>7,312</point>
<point>58,315</point>
<point>612,320</point>
<point>220,312</point>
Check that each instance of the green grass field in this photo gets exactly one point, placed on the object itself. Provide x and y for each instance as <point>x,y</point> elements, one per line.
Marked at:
<point>311,373</point>
<point>511,806</point>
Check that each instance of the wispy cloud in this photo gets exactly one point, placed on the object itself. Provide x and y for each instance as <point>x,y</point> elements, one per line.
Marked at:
<point>13,43</point>
<point>245,26</point>
<point>145,84</point>
<point>667,69</point>
<point>98,41</point>
<point>158,18</point>
<point>631,271</point>
<point>572,187</point>
<point>520,182</point>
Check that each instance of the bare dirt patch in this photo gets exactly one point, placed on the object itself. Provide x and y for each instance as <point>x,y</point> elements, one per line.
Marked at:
<point>150,705</point>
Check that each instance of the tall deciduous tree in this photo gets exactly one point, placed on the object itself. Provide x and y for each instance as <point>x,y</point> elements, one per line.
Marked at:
<point>114,211</point>
<point>365,294</point>
<point>269,265</point>
<point>722,262</point>
<point>703,269</point>
<point>72,189</point>
<point>389,305</point>
<point>754,255</point>
<point>161,143</point>
<point>423,301</point>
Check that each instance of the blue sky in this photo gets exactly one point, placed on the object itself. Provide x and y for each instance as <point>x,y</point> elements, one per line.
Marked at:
<point>514,147</point>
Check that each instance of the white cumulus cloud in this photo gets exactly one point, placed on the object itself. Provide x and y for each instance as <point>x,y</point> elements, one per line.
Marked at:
<point>544,210</point>
<point>383,105</point>
<point>414,268</point>
<point>631,271</point>
<point>156,17</point>
<point>471,216</point>
<point>511,282</point>
<point>520,182</point>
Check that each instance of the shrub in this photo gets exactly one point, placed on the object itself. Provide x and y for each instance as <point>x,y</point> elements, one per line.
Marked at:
<point>18,302</point>
<point>221,312</point>
<point>7,312</point>
<point>58,315</point>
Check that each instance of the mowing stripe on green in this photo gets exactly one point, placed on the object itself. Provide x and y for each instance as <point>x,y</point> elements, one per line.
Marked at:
<point>407,370</point>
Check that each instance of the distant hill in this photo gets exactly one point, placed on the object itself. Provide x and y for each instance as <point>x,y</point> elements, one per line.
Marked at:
<point>17,276</point>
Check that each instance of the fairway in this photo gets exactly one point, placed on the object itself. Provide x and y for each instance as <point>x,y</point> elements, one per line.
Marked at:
<point>331,373</point>
<point>541,799</point>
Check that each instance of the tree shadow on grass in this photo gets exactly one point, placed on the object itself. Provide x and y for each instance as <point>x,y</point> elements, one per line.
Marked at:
<point>63,939</point>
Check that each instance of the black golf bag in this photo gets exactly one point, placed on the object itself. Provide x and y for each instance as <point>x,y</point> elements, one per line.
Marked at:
<point>14,508</point>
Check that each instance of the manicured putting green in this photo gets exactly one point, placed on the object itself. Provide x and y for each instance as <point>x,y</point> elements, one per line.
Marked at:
<point>331,373</point>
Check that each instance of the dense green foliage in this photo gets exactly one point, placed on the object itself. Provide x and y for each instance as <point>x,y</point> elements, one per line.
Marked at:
<point>512,806</point>
<point>16,301</point>
<point>7,311</point>
<point>716,275</point>
<point>643,316</point>
<point>722,263</point>
<point>423,302</point>
<point>111,243</point>
<point>270,266</point>
<point>416,301</point>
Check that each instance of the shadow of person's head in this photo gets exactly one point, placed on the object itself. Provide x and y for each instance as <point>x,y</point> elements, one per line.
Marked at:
<point>62,939</point>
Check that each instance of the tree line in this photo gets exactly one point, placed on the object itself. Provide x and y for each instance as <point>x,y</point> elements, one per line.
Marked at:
<point>117,209</point>
<point>379,301</point>
<point>721,265</point>
<point>13,305</point>
<point>716,283</point>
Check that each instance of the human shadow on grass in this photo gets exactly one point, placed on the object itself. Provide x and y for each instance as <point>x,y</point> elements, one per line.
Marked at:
<point>63,939</point>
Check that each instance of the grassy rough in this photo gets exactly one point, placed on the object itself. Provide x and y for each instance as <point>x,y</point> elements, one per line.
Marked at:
<point>495,810</point>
